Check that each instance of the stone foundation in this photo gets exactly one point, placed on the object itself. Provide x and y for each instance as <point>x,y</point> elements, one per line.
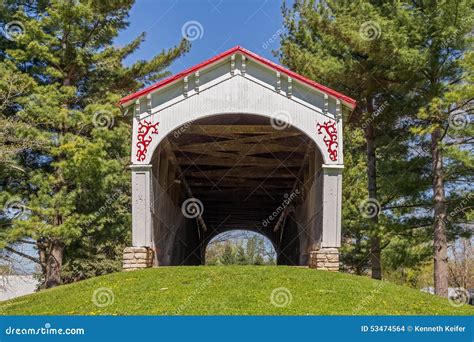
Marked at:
<point>135,258</point>
<point>325,259</point>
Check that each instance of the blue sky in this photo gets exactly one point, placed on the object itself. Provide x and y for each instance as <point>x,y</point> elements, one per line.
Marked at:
<point>252,24</point>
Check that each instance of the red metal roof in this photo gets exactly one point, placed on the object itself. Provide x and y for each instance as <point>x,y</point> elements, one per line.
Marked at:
<point>351,102</point>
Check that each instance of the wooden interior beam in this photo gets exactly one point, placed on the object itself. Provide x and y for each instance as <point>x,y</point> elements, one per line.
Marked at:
<point>237,177</point>
<point>243,183</point>
<point>244,148</point>
<point>226,129</point>
<point>170,154</point>
<point>245,172</point>
<point>283,215</point>
<point>235,160</point>
<point>219,145</point>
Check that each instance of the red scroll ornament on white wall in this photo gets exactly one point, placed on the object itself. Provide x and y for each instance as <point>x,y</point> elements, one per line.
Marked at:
<point>329,138</point>
<point>144,137</point>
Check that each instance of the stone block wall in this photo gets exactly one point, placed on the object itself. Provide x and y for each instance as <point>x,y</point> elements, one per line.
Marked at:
<point>325,259</point>
<point>135,258</point>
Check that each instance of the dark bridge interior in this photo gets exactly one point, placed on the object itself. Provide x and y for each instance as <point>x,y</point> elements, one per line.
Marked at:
<point>231,172</point>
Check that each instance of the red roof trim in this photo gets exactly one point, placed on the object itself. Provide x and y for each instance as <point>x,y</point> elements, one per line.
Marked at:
<point>162,83</point>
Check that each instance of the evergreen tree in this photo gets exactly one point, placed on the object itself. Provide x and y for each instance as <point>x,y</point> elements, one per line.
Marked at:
<point>228,257</point>
<point>242,258</point>
<point>346,45</point>
<point>13,86</point>
<point>413,82</point>
<point>74,183</point>
<point>259,260</point>
<point>445,95</point>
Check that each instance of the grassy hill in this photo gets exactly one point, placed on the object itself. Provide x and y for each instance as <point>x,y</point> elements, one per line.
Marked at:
<point>231,290</point>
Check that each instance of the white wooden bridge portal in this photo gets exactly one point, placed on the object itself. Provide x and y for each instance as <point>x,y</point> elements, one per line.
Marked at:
<point>236,142</point>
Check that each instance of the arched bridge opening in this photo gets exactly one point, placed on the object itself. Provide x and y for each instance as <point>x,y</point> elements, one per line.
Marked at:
<point>240,247</point>
<point>229,172</point>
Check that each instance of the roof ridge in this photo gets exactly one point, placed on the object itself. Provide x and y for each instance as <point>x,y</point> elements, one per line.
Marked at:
<point>351,102</point>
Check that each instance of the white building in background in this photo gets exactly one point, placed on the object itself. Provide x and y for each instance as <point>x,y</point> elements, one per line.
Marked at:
<point>12,286</point>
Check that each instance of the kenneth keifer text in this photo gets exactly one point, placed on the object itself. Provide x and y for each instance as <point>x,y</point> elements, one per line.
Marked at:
<point>439,328</point>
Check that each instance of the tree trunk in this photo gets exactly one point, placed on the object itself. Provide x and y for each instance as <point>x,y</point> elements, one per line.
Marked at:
<point>372,187</point>
<point>53,264</point>
<point>440,242</point>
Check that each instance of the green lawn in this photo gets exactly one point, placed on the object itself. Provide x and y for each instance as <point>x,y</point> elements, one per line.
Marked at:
<point>231,290</point>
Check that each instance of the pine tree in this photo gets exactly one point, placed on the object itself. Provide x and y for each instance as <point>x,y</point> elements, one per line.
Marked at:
<point>259,260</point>
<point>241,258</point>
<point>228,256</point>
<point>413,82</point>
<point>346,45</point>
<point>13,86</point>
<point>75,184</point>
<point>445,92</point>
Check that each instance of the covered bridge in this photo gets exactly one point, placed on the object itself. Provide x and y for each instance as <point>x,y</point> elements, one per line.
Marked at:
<point>236,142</point>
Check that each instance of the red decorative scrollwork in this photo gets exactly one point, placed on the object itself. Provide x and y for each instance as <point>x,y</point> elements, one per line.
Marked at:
<point>330,138</point>
<point>145,130</point>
